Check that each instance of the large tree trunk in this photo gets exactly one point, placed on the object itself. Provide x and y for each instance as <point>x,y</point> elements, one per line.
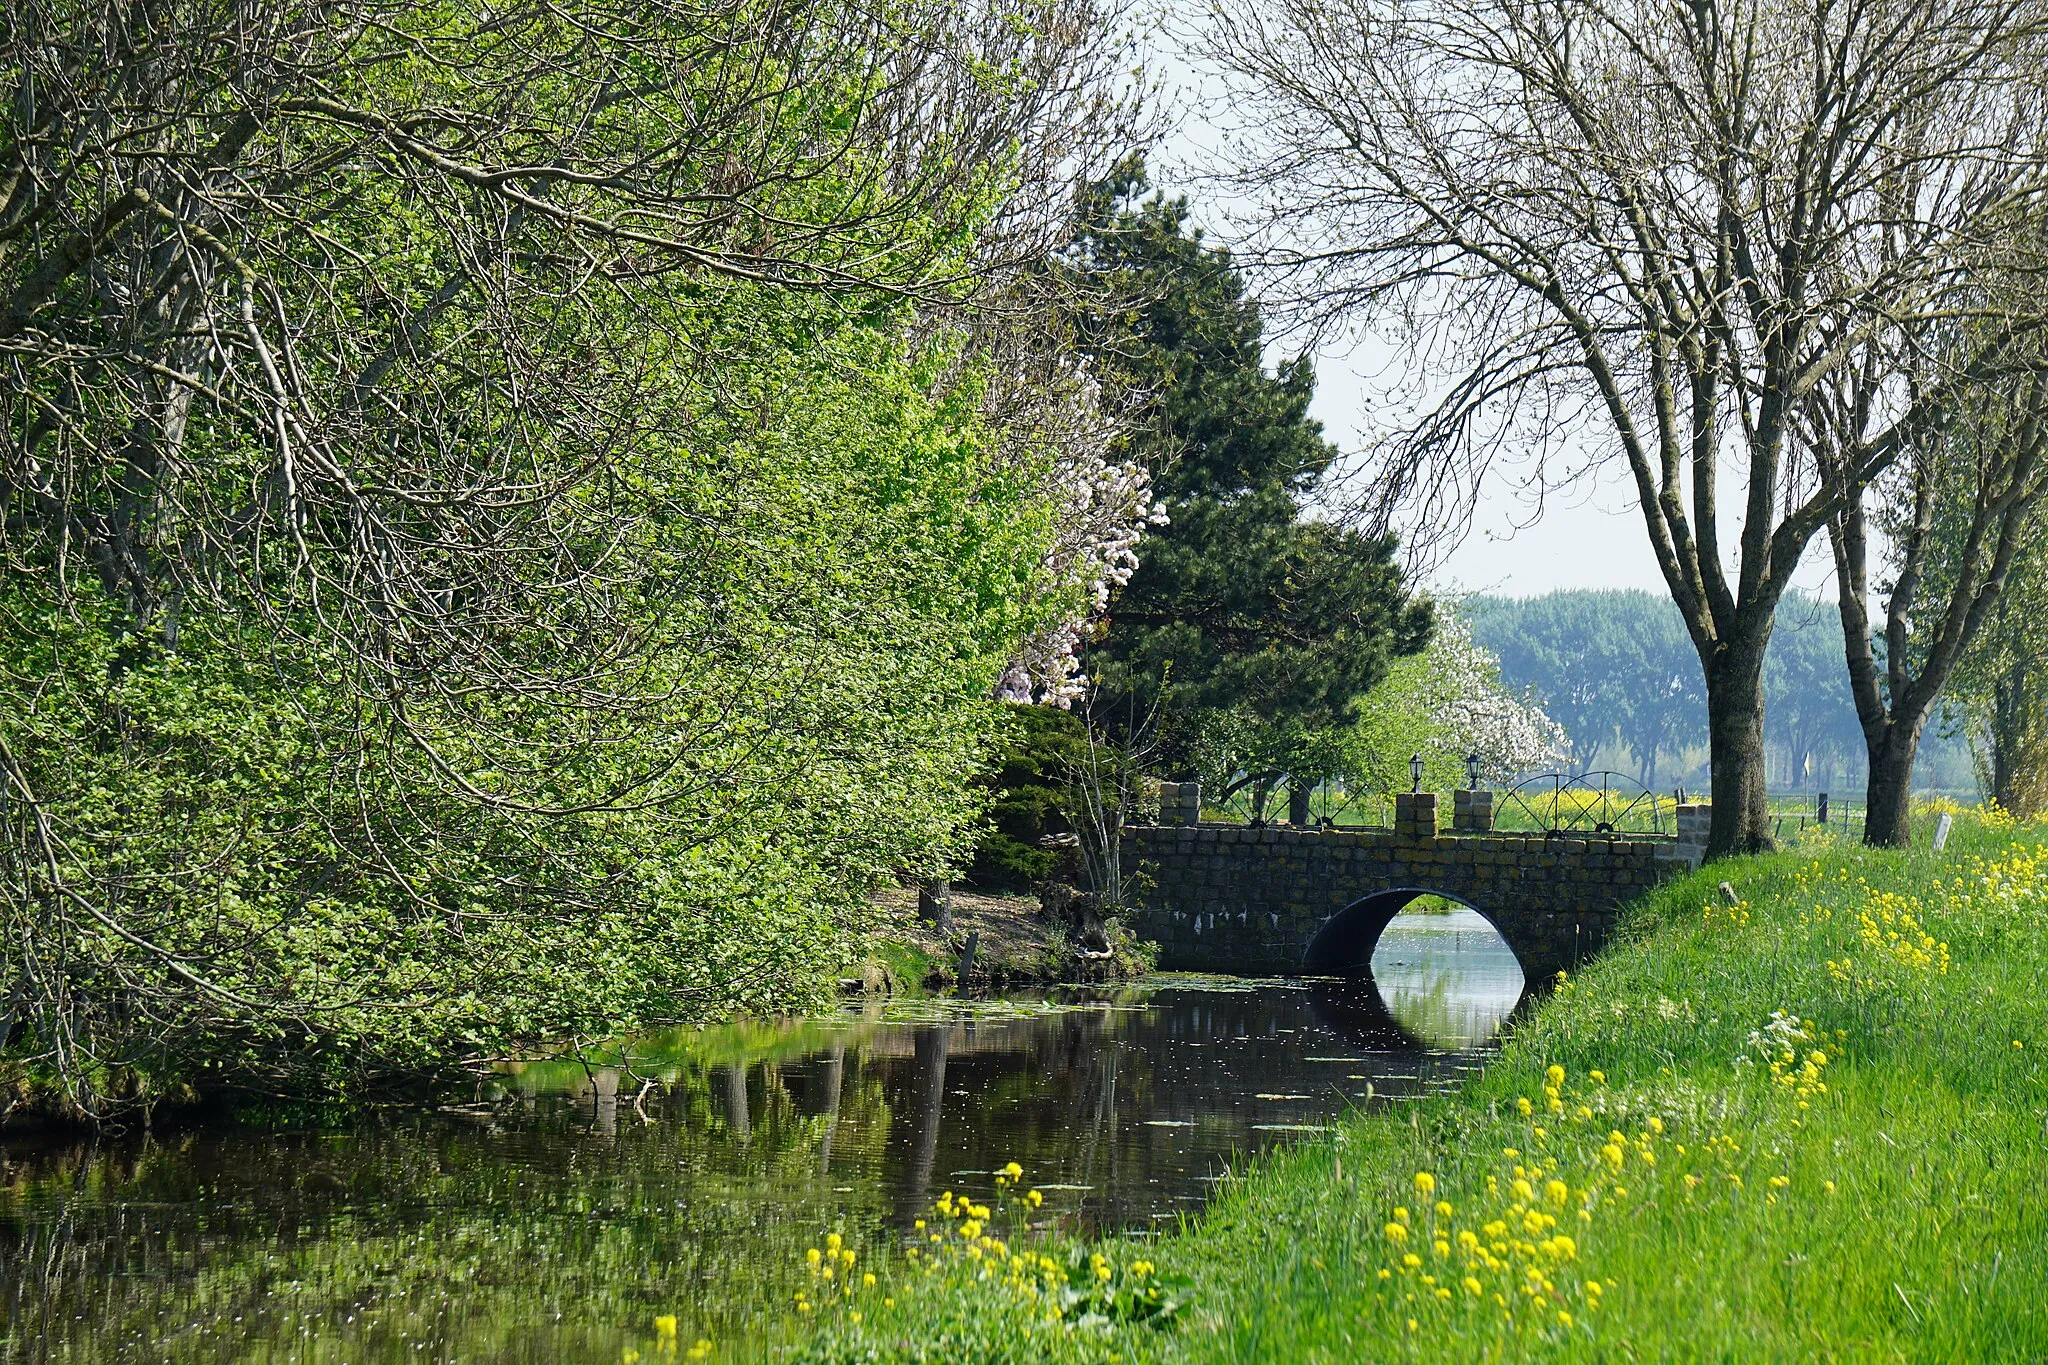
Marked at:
<point>1735,737</point>
<point>1888,818</point>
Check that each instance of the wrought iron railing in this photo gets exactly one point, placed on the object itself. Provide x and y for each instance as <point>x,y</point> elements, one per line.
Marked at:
<point>1584,803</point>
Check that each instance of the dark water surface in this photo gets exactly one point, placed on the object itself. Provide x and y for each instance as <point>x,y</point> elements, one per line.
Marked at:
<point>555,1217</point>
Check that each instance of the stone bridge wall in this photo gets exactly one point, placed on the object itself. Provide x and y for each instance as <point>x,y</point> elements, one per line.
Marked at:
<point>1227,898</point>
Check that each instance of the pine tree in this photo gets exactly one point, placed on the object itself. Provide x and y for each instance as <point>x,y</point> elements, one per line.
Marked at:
<point>1242,606</point>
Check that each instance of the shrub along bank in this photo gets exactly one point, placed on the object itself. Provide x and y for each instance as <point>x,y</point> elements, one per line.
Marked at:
<point>1809,1124</point>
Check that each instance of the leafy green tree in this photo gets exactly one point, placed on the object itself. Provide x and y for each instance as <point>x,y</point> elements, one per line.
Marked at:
<point>1028,782</point>
<point>1245,617</point>
<point>510,532</point>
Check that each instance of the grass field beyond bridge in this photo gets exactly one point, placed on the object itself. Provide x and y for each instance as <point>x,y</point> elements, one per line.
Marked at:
<point>1810,1125</point>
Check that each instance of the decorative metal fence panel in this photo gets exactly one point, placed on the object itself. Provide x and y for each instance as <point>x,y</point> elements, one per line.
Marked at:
<point>1585,803</point>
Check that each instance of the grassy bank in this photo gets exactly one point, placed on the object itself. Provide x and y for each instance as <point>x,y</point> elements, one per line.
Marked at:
<point>1809,1125</point>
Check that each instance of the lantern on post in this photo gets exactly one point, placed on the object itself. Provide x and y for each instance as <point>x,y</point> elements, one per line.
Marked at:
<point>1472,771</point>
<point>1415,772</point>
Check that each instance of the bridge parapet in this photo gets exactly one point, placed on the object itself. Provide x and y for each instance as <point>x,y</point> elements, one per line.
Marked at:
<point>1230,898</point>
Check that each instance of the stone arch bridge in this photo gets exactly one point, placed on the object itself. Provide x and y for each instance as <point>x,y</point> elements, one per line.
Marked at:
<point>1275,901</point>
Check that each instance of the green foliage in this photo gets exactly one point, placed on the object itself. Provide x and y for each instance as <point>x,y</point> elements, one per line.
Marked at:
<point>1998,694</point>
<point>1240,605</point>
<point>534,568</point>
<point>334,886</point>
<point>1029,792</point>
<point>1608,666</point>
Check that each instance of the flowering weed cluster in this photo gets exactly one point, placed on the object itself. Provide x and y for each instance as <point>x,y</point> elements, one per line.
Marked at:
<point>1025,1286</point>
<point>1514,1267</point>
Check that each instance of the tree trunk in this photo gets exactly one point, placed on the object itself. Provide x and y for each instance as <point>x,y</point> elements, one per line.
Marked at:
<point>1298,793</point>
<point>1887,820</point>
<point>1735,737</point>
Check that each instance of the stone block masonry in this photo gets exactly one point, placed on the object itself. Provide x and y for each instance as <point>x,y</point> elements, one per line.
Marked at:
<point>1273,901</point>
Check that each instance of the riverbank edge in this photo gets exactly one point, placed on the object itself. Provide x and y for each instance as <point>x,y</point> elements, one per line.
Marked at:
<point>898,954</point>
<point>1903,1227</point>
<point>1015,945</point>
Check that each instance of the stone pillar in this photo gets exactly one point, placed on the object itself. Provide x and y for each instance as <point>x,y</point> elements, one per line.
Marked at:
<point>1472,812</point>
<point>1694,819</point>
<point>1415,815</point>
<point>1180,803</point>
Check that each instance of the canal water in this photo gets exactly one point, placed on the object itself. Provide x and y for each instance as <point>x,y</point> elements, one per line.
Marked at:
<point>556,1212</point>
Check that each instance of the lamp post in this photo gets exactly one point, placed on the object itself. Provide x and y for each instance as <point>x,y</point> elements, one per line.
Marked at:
<point>1415,772</point>
<point>1472,771</point>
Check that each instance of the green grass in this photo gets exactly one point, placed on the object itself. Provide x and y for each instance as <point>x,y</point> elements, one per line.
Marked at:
<point>1735,1196</point>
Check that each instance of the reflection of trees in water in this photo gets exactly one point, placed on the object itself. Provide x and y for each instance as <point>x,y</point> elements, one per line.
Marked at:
<point>456,1235</point>
<point>580,1195</point>
<point>1443,1013</point>
<point>926,1108</point>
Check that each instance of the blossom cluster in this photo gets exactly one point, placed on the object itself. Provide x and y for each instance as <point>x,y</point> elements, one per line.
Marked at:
<point>1476,714</point>
<point>1103,508</point>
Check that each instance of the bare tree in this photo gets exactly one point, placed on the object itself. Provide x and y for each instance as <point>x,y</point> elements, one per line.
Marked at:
<point>1954,510</point>
<point>1653,233</point>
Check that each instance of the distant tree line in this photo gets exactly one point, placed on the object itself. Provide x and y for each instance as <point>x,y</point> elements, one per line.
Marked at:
<point>1615,669</point>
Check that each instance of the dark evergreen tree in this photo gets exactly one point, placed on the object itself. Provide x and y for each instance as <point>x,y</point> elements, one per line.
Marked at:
<point>1242,604</point>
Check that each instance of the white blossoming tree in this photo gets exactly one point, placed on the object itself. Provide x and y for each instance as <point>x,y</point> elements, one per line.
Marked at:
<point>1102,508</point>
<point>1444,704</point>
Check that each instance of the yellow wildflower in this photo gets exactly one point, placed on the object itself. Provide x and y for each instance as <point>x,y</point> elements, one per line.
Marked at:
<point>1425,1183</point>
<point>665,1326</point>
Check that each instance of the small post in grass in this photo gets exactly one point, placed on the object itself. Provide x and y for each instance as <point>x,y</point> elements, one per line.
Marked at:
<point>1942,826</point>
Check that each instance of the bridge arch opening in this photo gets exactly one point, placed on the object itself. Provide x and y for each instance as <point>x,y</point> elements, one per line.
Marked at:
<point>1442,969</point>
